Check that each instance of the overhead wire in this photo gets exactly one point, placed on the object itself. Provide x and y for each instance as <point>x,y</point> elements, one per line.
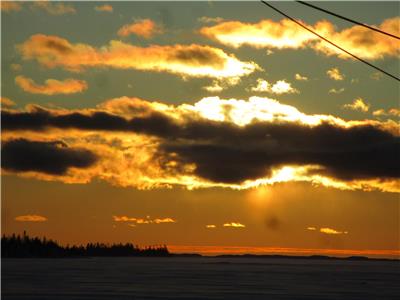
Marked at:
<point>348,19</point>
<point>332,43</point>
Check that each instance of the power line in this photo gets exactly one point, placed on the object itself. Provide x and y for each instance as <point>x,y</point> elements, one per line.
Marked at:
<point>333,44</point>
<point>348,19</point>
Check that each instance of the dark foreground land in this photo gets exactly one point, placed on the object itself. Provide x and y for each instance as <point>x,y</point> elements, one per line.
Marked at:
<point>198,278</point>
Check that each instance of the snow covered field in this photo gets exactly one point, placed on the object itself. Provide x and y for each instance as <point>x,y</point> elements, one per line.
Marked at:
<point>198,278</point>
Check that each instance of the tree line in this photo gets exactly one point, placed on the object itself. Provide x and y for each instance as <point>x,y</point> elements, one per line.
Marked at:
<point>26,246</point>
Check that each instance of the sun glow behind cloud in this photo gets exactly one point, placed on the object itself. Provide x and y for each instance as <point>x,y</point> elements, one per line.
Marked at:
<point>285,34</point>
<point>134,159</point>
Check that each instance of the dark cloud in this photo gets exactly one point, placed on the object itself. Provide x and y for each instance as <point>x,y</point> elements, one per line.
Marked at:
<point>199,57</point>
<point>234,154</point>
<point>61,47</point>
<point>41,119</point>
<point>54,158</point>
<point>225,152</point>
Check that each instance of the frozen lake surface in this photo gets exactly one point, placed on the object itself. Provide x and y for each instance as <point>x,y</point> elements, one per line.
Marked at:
<point>198,278</point>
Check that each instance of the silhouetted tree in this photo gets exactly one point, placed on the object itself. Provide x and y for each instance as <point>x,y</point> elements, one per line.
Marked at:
<point>25,246</point>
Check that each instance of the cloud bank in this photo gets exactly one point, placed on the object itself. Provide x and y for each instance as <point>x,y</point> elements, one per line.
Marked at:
<point>183,60</point>
<point>285,34</point>
<point>51,86</point>
<point>214,142</point>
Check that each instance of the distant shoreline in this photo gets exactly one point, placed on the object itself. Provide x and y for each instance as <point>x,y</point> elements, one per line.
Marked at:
<point>234,256</point>
<point>16,246</point>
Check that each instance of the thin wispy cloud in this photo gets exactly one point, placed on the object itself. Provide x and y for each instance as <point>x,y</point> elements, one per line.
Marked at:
<point>336,91</point>
<point>184,60</point>
<point>143,28</point>
<point>51,86</point>
<point>10,6</point>
<point>6,102</point>
<point>52,8</point>
<point>140,221</point>
<point>327,230</point>
<point>234,225</point>
<point>30,218</point>
<point>104,8</point>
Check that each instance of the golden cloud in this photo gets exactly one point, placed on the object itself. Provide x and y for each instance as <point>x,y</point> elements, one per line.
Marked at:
<point>51,86</point>
<point>151,144</point>
<point>30,218</point>
<point>328,230</point>
<point>335,74</point>
<point>395,112</point>
<point>9,6</point>
<point>234,225</point>
<point>358,104</point>
<point>211,226</point>
<point>286,34</point>
<point>336,91</point>
<point>6,102</point>
<point>147,220</point>
<point>184,60</point>
<point>300,77</point>
<point>53,8</point>
<point>279,87</point>
<point>104,8</point>
<point>144,28</point>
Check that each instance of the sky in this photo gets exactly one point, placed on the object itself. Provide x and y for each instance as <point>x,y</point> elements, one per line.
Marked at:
<point>210,126</point>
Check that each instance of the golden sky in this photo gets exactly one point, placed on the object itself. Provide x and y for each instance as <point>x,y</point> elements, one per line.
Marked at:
<point>201,124</point>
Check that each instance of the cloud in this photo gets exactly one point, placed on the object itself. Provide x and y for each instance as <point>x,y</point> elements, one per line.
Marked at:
<point>234,225</point>
<point>211,226</point>
<point>206,19</point>
<point>124,219</point>
<point>144,28</point>
<point>104,8</point>
<point>6,102</point>
<point>164,220</point>
<point>300,77</point>
<point>30,218</point>
<point>279,87</point>
<point>215,87</point>
<point>51,86</point>
<point>55,157</point>
<point>53,8</point>
<point>184,60</point>
<point>16,67</point>
<point>391,112</point>
<point>394,112</point>
<point>9,6</point>
<point>335,74</point>
<point>265,34</point>
<point>147,220</point>
<point>285,34</point>
<point>336,91</point>
<point>358,104</point>
<point>327,230</point>
<point>218,142</point>
<point>376,76</point>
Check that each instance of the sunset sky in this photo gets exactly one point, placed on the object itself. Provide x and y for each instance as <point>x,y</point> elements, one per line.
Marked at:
<point>208,126</point>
